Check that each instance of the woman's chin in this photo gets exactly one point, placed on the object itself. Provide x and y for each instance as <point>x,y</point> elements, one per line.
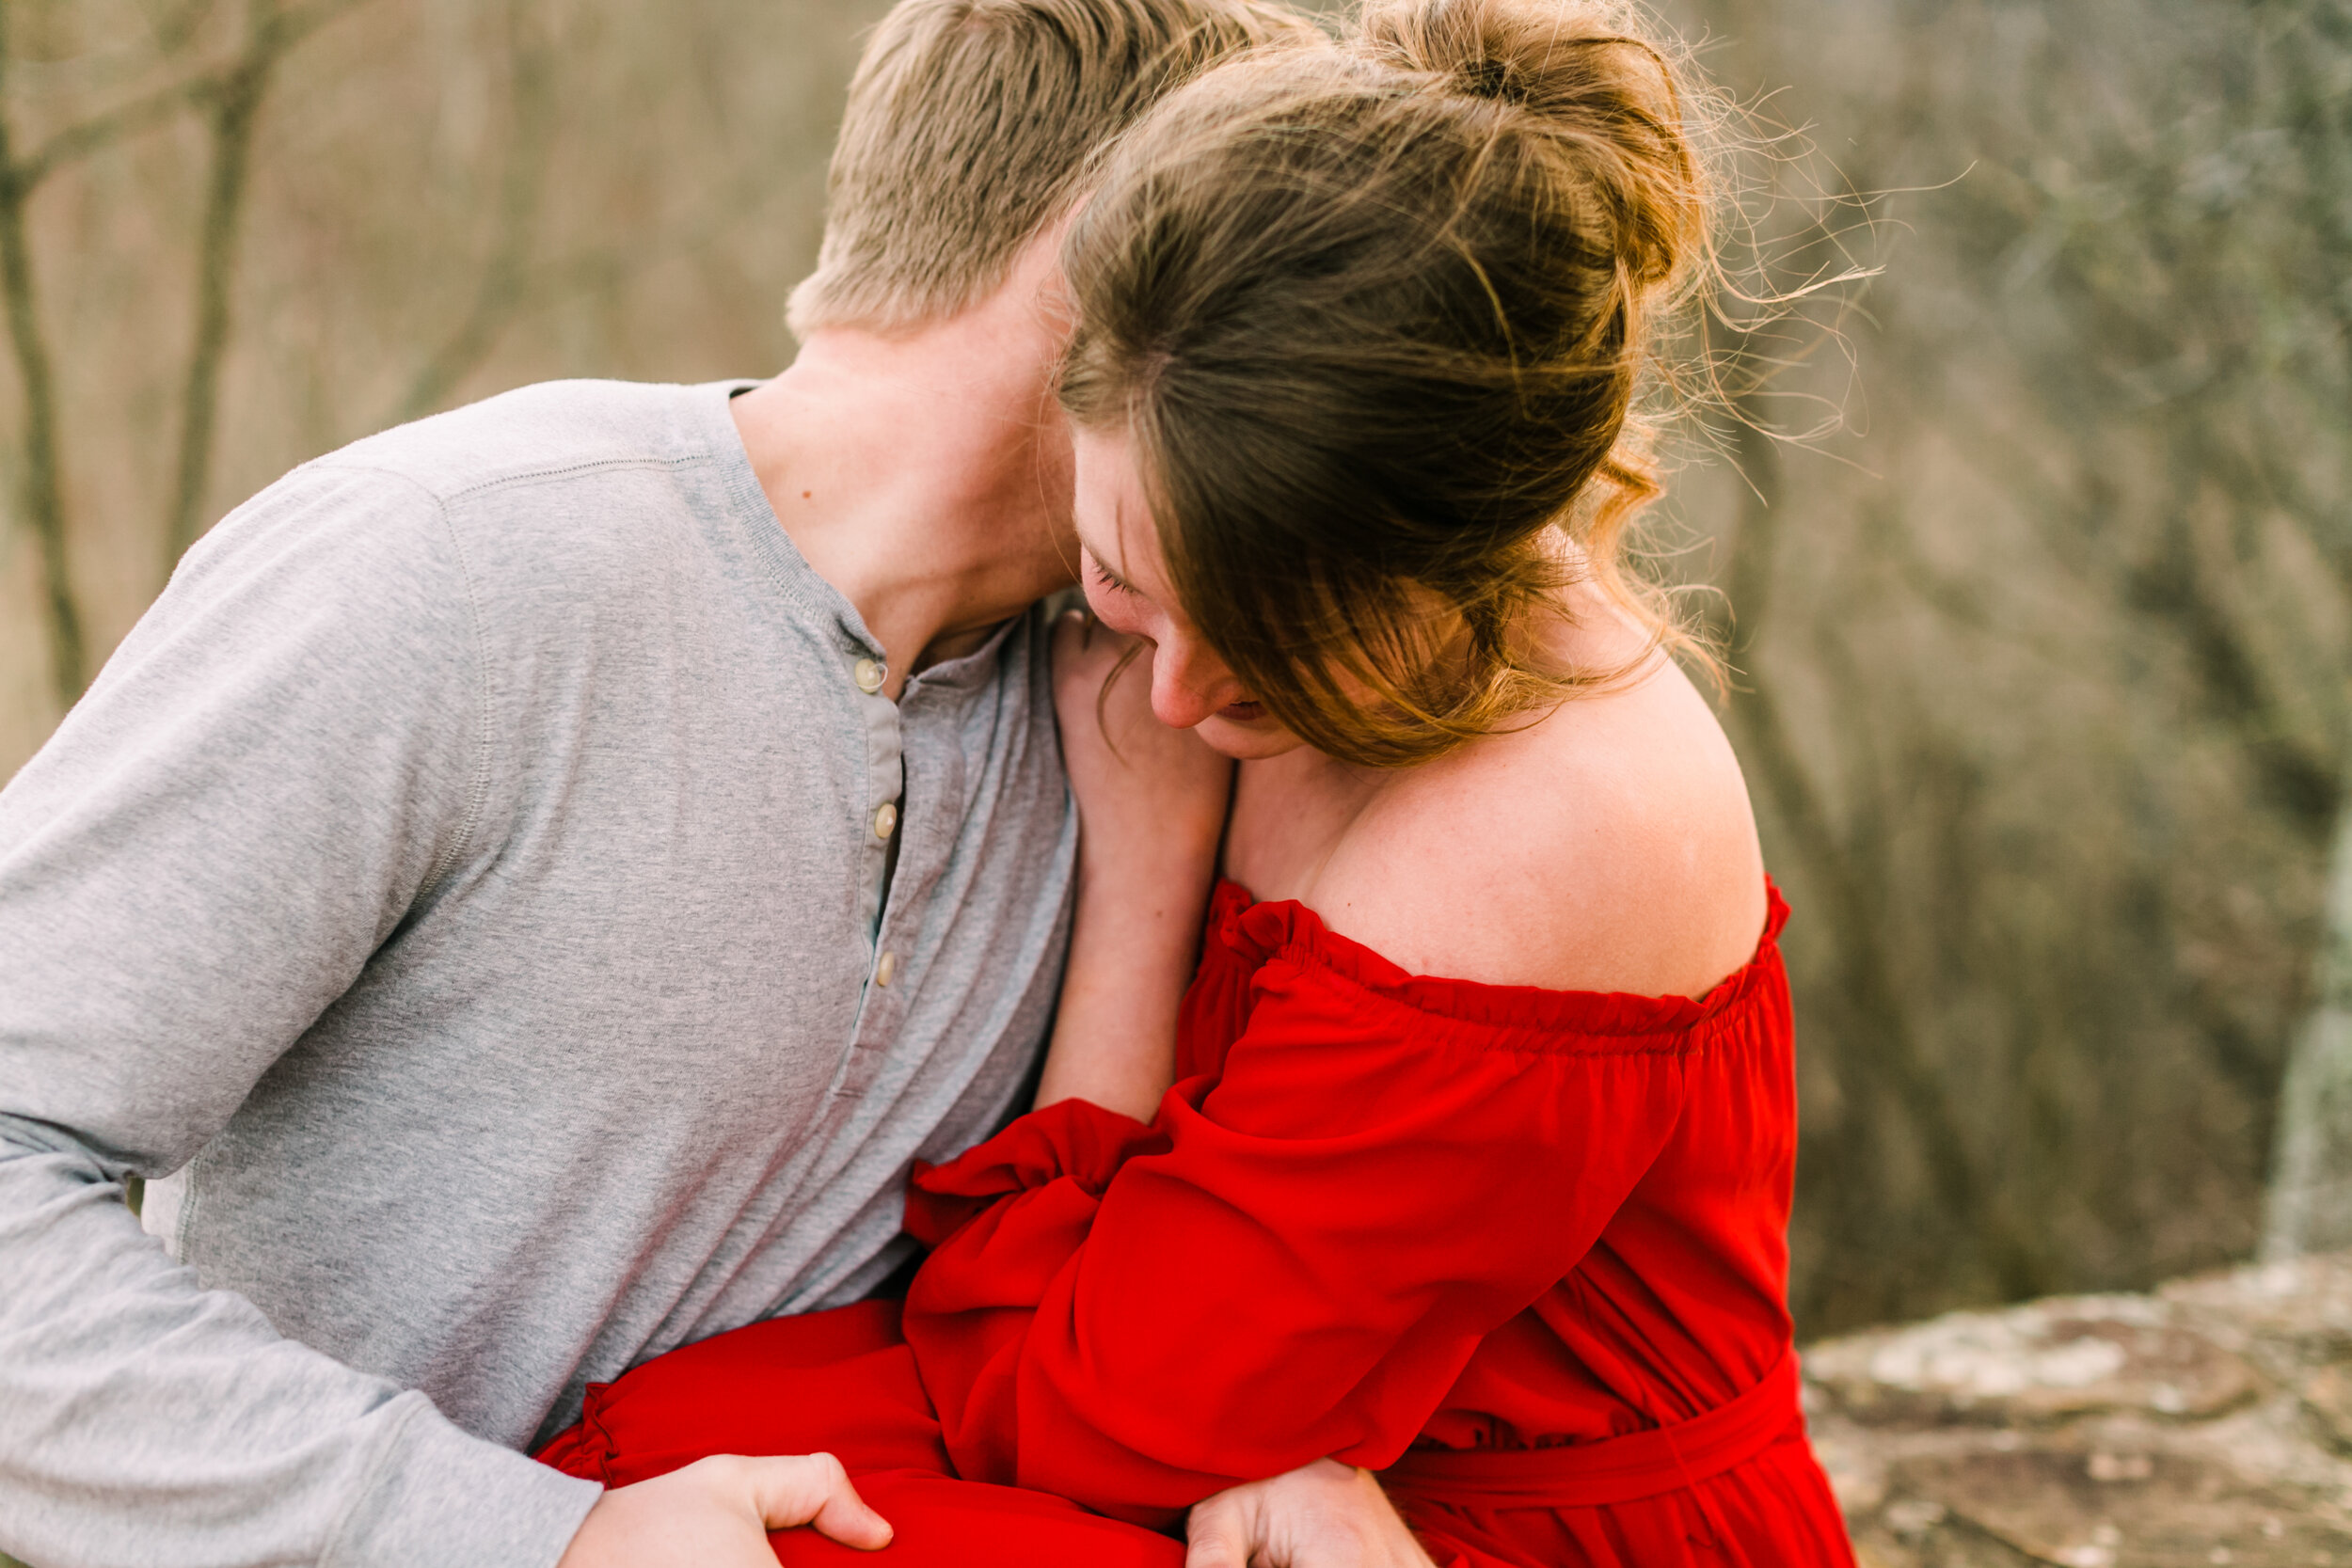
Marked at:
<point>1247,737</point>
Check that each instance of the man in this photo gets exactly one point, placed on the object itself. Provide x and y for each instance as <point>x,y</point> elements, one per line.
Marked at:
<point>538,877</point>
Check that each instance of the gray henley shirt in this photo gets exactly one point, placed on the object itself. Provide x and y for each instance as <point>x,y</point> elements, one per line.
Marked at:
<point>468,878</point>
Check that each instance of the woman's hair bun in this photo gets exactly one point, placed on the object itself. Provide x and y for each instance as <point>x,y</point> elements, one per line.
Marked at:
<point>1377,320</point>
<point>1596,74</point>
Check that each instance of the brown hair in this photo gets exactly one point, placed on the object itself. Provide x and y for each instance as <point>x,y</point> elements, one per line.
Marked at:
<point>1375,318</point>
<point>968,124</point>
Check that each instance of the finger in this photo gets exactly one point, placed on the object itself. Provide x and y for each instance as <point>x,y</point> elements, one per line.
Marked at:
<point>1217,1534</point>
<point>814,1489</point>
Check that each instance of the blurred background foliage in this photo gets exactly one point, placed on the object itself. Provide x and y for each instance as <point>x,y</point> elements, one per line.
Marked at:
<point>2046,655</point>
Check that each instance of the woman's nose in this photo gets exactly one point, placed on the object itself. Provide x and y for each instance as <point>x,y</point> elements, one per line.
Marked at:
<point>1187,683</point>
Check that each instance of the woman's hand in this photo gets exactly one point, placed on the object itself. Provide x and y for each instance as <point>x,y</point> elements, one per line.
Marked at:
<point>717,1513</point>
<point>1148,796</point>
<point>1151,811</point>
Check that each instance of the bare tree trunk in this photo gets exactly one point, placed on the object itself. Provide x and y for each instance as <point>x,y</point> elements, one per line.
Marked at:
<point>44,493</point>
<point>235,108</point>
<point>2310,1203</point>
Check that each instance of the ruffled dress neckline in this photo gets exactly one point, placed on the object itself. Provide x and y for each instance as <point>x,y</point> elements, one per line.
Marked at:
<point>1257,932</point>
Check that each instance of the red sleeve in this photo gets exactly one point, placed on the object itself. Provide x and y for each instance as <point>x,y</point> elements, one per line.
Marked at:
<point>1294,1262</point>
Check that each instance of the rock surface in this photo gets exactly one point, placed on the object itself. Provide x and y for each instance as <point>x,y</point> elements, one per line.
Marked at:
<point>2208,1423</point>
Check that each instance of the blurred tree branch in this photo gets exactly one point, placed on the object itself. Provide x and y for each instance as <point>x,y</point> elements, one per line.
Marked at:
<point>1881,1048</point>
<point>285,29</point>
<point>102,130</point>
<point>2173,583</point>
<point>506,275</point>
<point>230,96</point>
<point>233,104</point>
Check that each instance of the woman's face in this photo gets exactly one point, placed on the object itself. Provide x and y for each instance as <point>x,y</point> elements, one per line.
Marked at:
<point>1126,583</point>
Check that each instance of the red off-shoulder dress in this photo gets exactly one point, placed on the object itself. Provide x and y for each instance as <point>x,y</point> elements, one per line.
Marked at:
<point>1521,1250</point>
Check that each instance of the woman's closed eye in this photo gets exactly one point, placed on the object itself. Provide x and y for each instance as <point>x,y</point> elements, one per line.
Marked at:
<point>1104,577</point>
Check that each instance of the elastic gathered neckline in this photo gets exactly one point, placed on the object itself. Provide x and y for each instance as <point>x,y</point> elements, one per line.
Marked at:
<point>1258,933</point>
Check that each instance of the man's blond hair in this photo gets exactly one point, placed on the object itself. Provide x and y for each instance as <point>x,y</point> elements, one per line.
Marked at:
<point>969,125</point>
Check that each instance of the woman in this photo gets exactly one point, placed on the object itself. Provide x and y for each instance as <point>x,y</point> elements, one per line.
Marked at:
<point>1360,332</point>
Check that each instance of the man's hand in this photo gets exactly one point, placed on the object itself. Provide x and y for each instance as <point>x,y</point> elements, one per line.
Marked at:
<point>717,1513</point>
<point>1321,1515</point>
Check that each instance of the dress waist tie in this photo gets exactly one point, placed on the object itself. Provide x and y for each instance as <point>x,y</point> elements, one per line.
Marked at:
<point>1616,1469</point>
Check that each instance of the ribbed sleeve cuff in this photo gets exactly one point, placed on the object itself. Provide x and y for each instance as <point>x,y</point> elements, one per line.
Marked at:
<point>439,1498</point>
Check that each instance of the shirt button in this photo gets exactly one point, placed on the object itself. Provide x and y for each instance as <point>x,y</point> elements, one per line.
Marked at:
<point>885,819</point>
<point>868,674</point>
<point>884,966</point>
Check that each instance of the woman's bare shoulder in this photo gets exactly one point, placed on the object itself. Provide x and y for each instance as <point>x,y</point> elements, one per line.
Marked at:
<point>1609,847</point>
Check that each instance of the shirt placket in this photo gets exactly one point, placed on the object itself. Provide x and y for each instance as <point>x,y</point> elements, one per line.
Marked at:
<point>880,811</point>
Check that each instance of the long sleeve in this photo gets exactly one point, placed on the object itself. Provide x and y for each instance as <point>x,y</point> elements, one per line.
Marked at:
<point>271,773</point>
<point>1294,1260</point>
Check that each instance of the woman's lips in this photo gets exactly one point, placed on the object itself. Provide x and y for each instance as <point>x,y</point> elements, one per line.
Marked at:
<point>1241,713</point>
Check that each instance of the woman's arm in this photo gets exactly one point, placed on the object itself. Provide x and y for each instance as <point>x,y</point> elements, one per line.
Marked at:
<point>1291,1264</point>
<point>1150,808</point>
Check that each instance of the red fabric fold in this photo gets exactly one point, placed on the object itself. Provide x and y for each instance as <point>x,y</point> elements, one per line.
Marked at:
<point>1072,1139</point>
<point>1621,1469</point>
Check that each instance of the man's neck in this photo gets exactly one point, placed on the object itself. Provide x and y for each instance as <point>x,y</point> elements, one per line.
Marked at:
<point>927,477</point>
